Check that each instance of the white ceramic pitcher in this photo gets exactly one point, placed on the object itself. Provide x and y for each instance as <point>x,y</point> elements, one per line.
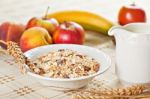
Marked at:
<point>132,52</point>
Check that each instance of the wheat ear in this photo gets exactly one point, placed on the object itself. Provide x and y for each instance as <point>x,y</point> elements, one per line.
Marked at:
<point>132,92</point>
<point>14,50</point>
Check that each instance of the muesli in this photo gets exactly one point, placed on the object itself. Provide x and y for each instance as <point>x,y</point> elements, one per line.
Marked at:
<point>65,63</point>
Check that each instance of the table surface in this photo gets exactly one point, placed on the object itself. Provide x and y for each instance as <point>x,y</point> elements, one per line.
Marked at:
<point>13,85</point>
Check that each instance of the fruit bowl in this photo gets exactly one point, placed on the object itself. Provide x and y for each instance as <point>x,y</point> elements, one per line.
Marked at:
<point>69,83</point>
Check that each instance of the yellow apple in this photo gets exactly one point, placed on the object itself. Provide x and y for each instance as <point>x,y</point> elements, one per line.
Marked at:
<point>34,37</point>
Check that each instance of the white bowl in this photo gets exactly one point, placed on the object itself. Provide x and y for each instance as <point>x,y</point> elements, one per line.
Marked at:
<point>73,83</point>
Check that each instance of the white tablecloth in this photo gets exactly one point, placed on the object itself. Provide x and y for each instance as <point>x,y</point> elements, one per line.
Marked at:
<point>12,82</point>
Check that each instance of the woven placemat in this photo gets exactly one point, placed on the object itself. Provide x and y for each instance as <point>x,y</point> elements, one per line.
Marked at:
<point>13,85</point>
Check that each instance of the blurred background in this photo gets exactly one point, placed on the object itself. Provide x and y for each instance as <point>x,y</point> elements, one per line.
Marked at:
<point>23,10</point>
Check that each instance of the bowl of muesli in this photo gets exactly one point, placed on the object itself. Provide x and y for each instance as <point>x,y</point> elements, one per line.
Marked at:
<point>67,66</point>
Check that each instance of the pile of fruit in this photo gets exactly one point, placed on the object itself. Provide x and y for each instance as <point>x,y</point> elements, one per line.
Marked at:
<point>65,27</point>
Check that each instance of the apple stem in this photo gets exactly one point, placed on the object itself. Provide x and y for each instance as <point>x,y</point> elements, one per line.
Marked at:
<point>45,17</point>
<point>133,3</point>
<point>65,22</point>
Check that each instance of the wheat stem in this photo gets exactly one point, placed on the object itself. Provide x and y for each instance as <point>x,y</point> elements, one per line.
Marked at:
<point>3,42</point>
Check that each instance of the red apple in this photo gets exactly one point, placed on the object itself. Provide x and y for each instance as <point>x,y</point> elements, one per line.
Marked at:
<point>49,24</point>
<point>69,33</point>
<point>131,14</point>
<point>10,31</point>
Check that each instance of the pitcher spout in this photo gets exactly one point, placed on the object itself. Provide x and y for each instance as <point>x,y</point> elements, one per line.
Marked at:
<point>121,32</point>
<point>114,30</point>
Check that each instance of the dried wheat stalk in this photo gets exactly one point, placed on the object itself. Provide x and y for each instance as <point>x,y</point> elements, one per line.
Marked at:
<point>14,50</point>
<point>133,91</point>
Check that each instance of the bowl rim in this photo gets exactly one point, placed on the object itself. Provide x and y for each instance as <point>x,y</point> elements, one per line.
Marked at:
<point>108,59</point>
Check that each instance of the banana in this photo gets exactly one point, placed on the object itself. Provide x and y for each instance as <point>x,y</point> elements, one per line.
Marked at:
<point>88,20</point>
